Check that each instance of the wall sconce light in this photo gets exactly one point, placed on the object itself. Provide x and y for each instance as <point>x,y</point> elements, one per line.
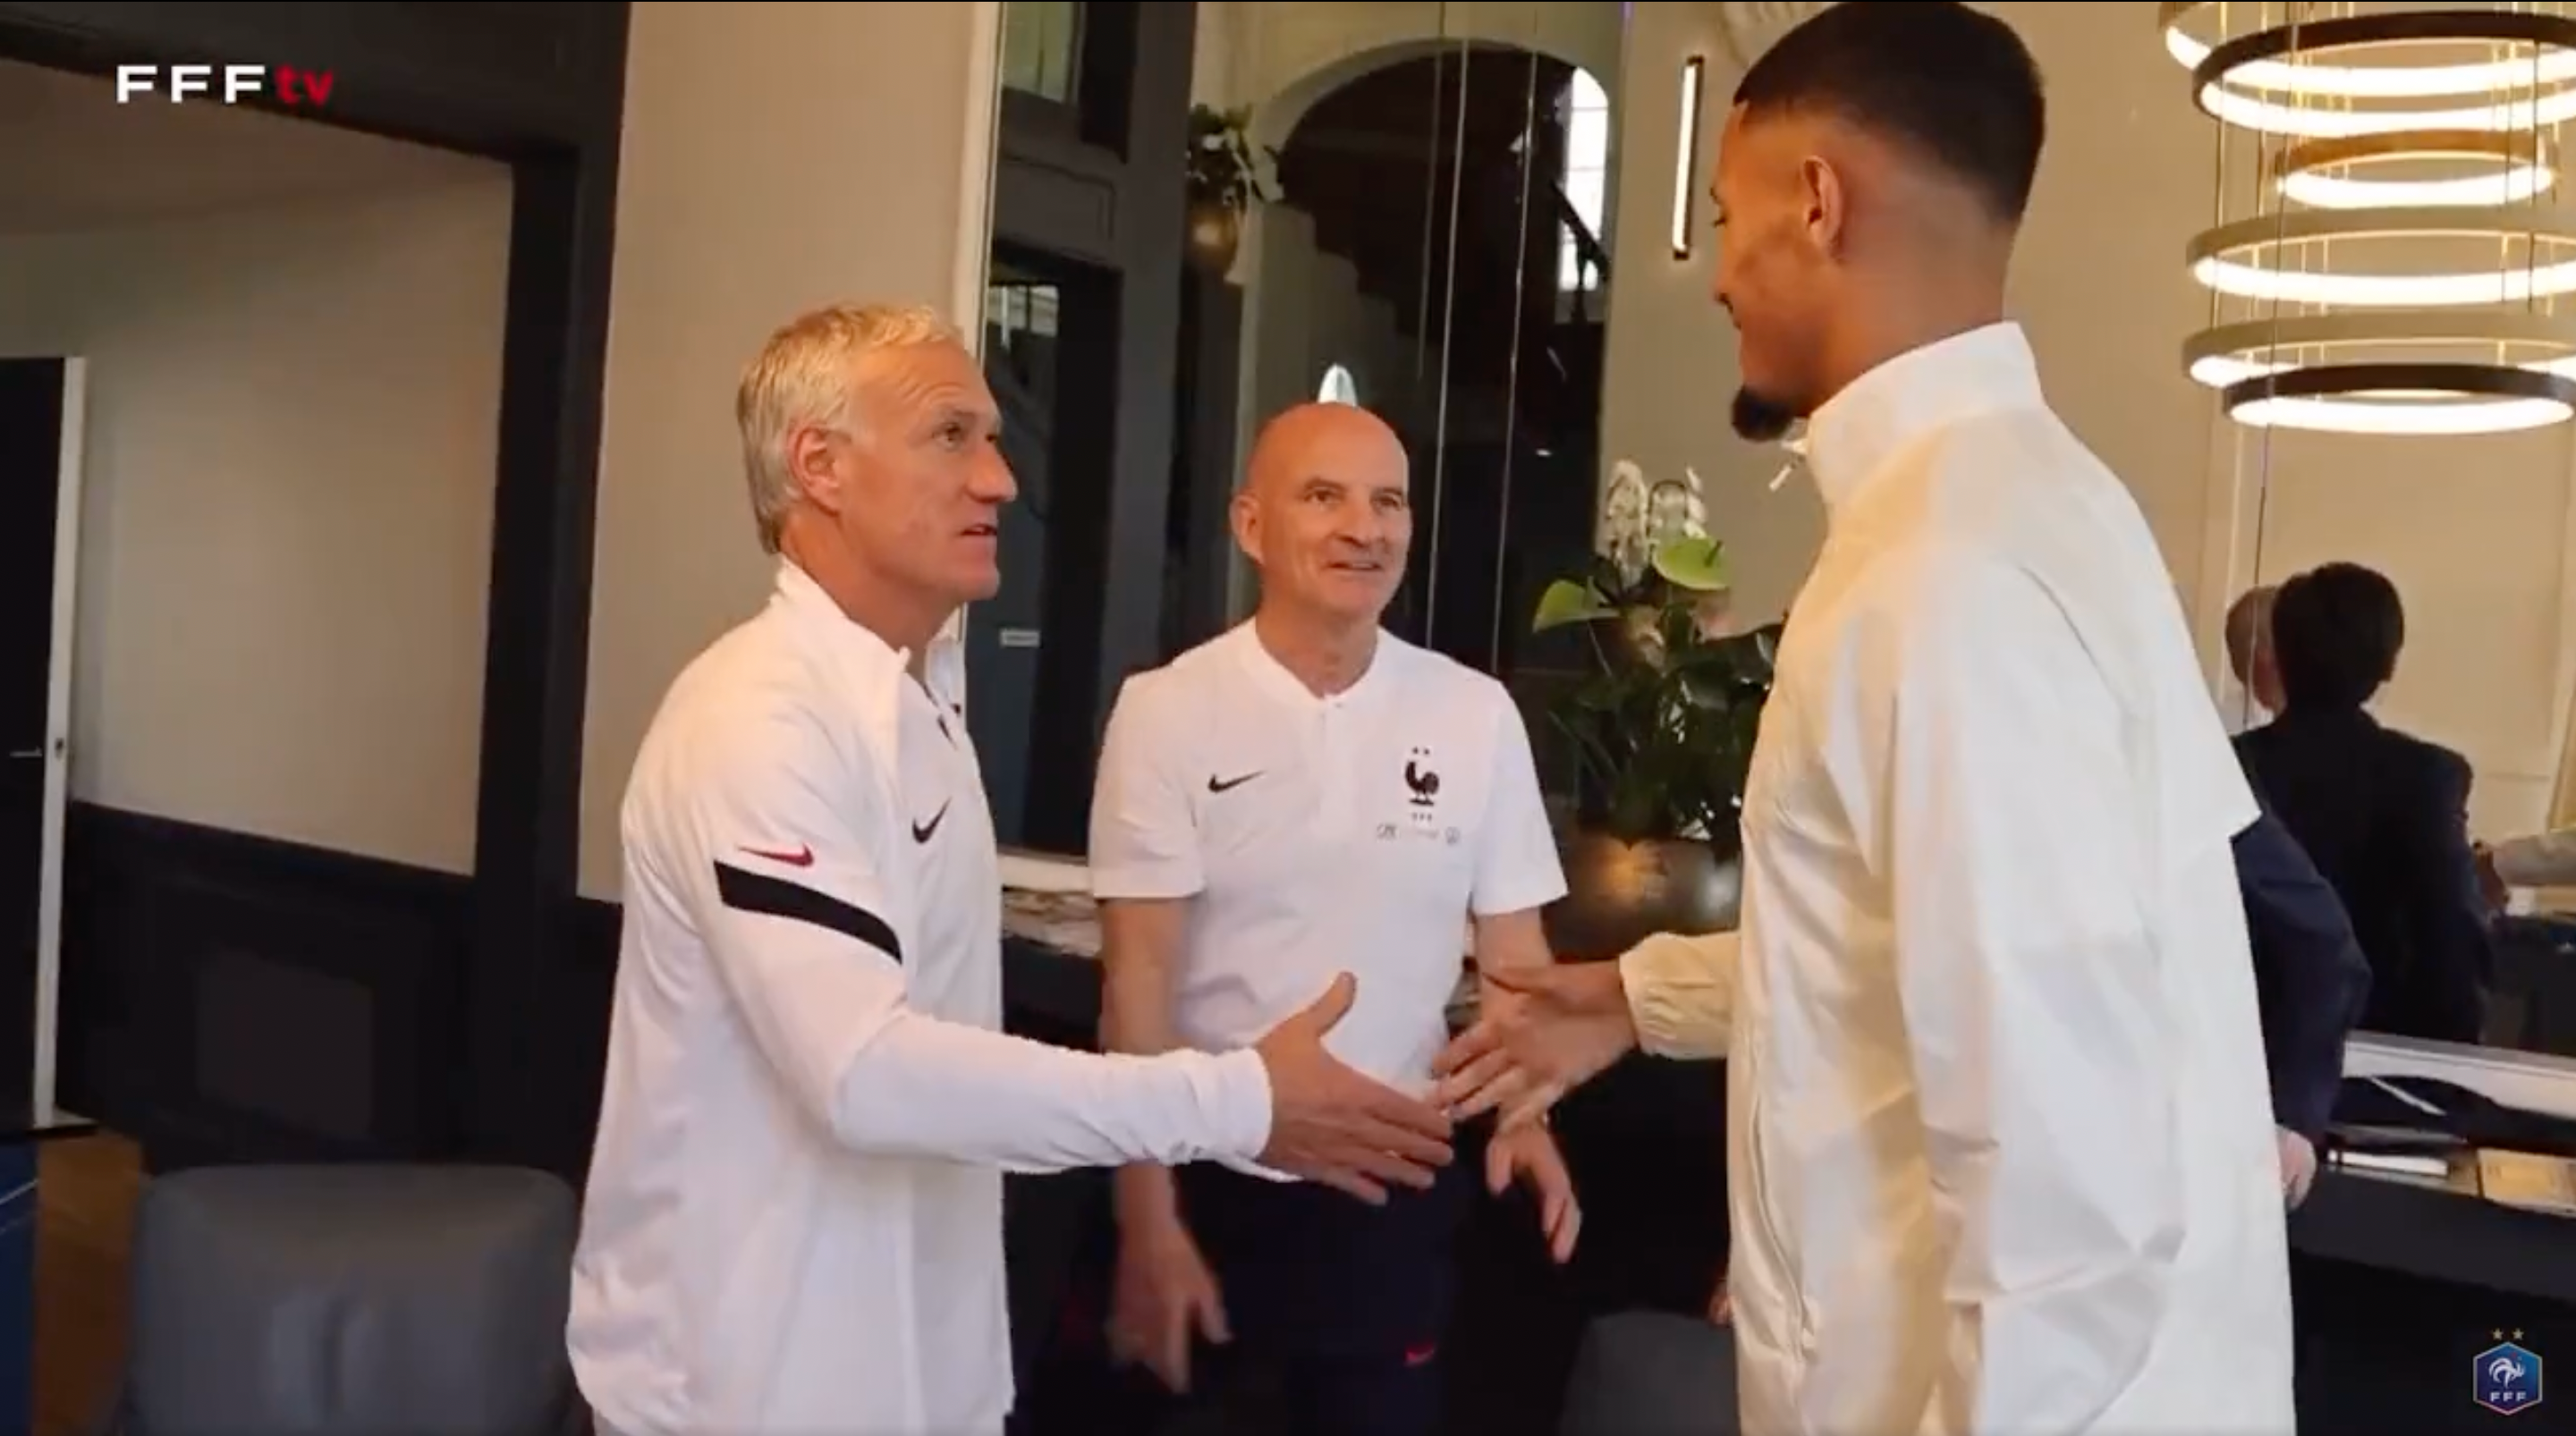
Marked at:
<point>1686,160</point>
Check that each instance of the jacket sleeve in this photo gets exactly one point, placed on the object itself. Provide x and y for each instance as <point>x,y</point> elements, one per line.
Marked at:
<point>1982,762</point>
<point>2539,860</point>
<point>2454,942</point>
<point>1681,993</point>
<point>777,846</point>
<point>2312,968</point>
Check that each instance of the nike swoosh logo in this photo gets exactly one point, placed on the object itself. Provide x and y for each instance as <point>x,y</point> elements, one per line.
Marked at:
<point>802,857</point>
<point>1220,785</point>
<point>921,831</point>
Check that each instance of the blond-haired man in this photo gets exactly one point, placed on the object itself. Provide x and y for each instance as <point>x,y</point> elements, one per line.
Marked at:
<point>795,1204</point>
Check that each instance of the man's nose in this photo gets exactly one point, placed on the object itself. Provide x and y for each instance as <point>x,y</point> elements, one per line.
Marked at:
<point>993,482</point>
<point>1360,525</point>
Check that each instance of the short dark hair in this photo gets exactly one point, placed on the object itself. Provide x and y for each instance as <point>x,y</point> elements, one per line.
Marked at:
<point>1953,84</point>
<point>2336,632</point>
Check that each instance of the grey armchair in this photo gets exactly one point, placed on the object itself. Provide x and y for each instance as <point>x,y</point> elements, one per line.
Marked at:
<point>1652,1373</point>
<point>341,1300</point>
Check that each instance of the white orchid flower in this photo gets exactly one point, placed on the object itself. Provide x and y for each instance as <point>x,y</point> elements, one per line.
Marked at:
<point>1625,530</point>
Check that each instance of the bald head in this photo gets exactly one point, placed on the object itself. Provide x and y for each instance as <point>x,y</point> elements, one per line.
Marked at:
<point>1320,436</point>
<point>1323,512</point>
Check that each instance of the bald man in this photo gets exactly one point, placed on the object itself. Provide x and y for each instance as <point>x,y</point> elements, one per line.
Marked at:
<point>1303,795</point>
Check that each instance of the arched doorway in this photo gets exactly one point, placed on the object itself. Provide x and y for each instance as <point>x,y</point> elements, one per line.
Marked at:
<point>1438,230</point>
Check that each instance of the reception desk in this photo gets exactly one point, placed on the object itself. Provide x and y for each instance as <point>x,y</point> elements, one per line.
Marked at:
<point>2401,1282</point>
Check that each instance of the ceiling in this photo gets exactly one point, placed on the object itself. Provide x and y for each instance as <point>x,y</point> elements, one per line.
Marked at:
<point>72,158</point>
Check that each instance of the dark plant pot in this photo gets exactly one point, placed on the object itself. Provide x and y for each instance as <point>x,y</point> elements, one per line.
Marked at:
<point>1620,893</point>
<point>1216,235</point>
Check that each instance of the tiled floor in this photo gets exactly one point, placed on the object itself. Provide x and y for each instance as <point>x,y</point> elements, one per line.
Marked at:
<point>85,1215</point>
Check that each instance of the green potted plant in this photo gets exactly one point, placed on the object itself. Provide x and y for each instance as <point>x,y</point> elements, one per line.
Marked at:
<point>1661,724</point>
<point>1224,182</point>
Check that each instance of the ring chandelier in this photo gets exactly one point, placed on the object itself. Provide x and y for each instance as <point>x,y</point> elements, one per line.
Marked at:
<point>2387,132</point>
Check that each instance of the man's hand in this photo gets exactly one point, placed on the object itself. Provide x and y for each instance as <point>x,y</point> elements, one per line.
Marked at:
<point>2298,1165</point>
<point>1165,1295</point>
<point>1331,1125</point>
<point>1721,1303</point>
<point>1529,1155</point>
<point>1543,1032</point>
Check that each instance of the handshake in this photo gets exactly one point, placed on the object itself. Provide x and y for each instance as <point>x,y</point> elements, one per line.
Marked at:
<point>1542,1032</point>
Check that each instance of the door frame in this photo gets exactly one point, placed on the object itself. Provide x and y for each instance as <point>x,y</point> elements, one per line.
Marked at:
<point>70,450</point>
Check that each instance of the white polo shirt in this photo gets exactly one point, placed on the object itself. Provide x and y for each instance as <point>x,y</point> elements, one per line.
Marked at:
<point>1317,835</point>
<point>794,1218</point>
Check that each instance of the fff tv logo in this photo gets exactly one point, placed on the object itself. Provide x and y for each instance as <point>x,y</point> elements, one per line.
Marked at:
<point>2505,1378</point>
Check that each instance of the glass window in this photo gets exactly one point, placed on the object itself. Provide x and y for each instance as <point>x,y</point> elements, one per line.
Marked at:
<point>1040,41</point>
<point>1586,180</point>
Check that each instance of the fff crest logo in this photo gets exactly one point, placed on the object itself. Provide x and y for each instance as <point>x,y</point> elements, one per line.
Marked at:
<point>2505,1378</point>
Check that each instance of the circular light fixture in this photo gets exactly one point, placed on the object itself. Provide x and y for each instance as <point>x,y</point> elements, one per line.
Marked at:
<point>2223,354</point>
<point>2227,355</point>
<point>2216,257</point>
<point>2403,272</point>
<point>2320,172</point>
<point>2220,80</point>
<point>2428,398</point>
<point>2367,82</point>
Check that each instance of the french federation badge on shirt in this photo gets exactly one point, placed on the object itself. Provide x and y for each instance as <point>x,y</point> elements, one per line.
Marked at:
<point>2506,1377</point>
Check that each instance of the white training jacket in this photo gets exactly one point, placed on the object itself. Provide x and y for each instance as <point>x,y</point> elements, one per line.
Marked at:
<point>794,1218</point>
<point>2000,1144</point>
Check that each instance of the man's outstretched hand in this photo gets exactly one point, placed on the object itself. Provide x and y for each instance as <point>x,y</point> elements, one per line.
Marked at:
<point>1329,1124</point>
<point>1543,1032</point>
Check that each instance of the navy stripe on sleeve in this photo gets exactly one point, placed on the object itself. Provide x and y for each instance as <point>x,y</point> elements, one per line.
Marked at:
<point>766,895</point>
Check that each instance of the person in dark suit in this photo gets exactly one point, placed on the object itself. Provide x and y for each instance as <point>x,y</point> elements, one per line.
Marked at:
<point>2312,981</point>
<point>2382,814</point>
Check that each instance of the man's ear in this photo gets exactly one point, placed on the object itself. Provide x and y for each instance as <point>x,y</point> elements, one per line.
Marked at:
<point>1244,517</point>
<point>813,465</point>
<point>1827,202</point>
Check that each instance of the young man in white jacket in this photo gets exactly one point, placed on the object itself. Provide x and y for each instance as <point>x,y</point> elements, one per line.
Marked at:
<point>2001,1154</point>
<point>795,1203</point>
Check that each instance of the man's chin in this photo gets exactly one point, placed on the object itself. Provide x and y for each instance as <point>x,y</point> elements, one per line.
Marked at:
<point>1761,419</point>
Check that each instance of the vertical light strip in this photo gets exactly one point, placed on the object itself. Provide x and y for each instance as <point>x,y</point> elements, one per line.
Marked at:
<point>1686,160</point>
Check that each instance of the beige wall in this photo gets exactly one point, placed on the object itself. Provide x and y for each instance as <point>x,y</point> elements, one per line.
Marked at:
<point>776,156</point>
<point>2476,532</point>
<point>286,526</point>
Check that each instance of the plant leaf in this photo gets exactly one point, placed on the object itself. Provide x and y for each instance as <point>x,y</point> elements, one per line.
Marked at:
<point>1697,564</point>
<point>1566,601</point>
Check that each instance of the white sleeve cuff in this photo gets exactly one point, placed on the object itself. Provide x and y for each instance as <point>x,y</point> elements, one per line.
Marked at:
<point>1241,1103</point>
<point>2540,861</point>
<point>1681,994</point>
<point>1144,881</point>
<point>1534,890</point>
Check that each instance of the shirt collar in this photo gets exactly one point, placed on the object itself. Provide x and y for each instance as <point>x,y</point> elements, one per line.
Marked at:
<point>1856,432</point>
<point>879,664</point>
<point>1273,677</point>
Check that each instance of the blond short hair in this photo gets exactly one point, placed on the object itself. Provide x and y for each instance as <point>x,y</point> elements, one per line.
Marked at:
<point>2249,629</point>
<point>804,377</point>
